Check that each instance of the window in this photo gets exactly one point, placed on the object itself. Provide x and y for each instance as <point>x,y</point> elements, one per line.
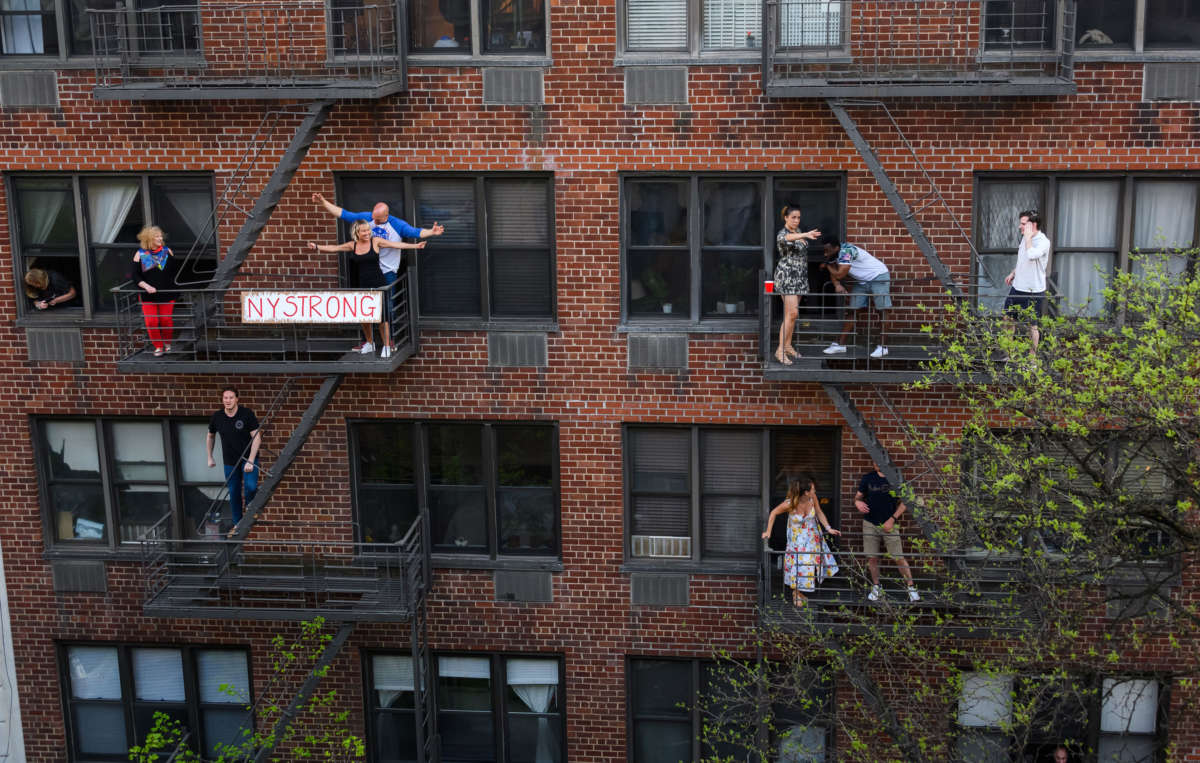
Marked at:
<point>85,228</point>
<point>694,246</point>
<point>363,27</point>
<point>107,482</point>
<point>478,27</point>
<point>667,714</point>
<point>985,717</point>
<point>490,489</point>
<point>1124,25</point>
<point>1129,715</point>
<point>113,692</point>
<point>1021,24</point>
<point>704,493</point>
<point>490,708</point>
<point>58,29</point>
<point>1084,218</point>
<point>496,259</point>
<point>695,26</point>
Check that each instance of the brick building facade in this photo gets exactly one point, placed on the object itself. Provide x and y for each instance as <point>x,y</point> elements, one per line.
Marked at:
<point>548,378</point>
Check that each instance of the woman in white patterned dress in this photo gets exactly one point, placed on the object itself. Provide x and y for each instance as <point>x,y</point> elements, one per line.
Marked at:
<point>807,560</point>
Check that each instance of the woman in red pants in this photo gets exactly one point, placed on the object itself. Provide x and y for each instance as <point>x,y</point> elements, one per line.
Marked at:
<point>154,270</point>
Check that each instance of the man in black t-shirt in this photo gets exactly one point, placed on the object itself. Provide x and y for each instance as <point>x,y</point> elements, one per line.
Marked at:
<point>240,438</point>
<point>877,502</point>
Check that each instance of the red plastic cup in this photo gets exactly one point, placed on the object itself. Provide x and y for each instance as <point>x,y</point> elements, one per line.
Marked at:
<point>768,287</point>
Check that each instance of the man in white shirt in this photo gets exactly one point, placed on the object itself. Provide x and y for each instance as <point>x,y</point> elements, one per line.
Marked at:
<point>870,277</point>
<point>1028,278</point>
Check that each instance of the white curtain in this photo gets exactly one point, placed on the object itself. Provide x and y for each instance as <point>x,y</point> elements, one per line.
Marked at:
<point>195,209</point>
<point>728,23</point>
<point>158,675</point>
<point>986,700</point>
<point>810,23</point>
<point>536,683</point>
<point>94,672</point>
<point>393,676</point>
<point>656,24</point>
<point>40,208</point>
<point>109,202</point>
<point>223,667</point>
<point>1164,214</point>
<point>1088,215</point>
<point>22,34</point>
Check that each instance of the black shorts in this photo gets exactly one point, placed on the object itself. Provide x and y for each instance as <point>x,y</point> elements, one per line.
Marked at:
<point>1018,301</point>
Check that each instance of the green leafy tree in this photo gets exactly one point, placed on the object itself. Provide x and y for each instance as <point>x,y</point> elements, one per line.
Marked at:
<point>1056,556</point>
<point>315,729</point>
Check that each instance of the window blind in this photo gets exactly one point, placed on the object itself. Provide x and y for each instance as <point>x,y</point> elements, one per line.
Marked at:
<point>530,671</point>
<point>727,22</point>
<point>656,24</point>
<point>517,213</point>
<point>986,700</point>
<point>94,672</point>
<point>464,667</point>
<point>222,667</point>
<point>1130,706</point>
<point>158,675</point>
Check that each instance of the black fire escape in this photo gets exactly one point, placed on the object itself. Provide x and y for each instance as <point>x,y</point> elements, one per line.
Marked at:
<point>860,56</point>
<point>256,53</point>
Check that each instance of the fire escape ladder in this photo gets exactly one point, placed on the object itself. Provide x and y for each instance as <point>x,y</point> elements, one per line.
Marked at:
<point>907,214</point>
<point>260,215</point>
<point>308,421</point>
<point>319,669</point>
<point>429,743</point>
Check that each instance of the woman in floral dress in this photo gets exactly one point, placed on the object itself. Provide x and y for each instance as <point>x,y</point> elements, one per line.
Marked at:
<point>807,560</point>
<point>791,276</point>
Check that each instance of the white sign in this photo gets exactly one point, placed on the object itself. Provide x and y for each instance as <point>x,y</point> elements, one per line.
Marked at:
<point>335,306</point>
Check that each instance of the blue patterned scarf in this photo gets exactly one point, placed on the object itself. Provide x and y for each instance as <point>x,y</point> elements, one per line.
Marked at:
<point>155,259</point>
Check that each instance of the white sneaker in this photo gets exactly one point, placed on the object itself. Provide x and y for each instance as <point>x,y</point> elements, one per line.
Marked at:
<point>366,348</point>
<point>386,352</point>
<point>879,352</point>
<point>875,593</point>
<point>834,348</point>
<point>912,593</point>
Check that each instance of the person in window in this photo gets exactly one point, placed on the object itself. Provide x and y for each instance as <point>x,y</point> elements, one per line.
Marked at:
<point>791,276</point>
<point>47,288</point>
<point>881,510</point>
<point>240,440</point>
<point>869,277</point>
<point>807,559</point>
<point>154,271</point>
<point>1028,277</point>
<point>365,248</point>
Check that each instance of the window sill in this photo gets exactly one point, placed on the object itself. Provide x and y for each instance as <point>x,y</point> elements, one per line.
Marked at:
<point>1131,57</point>
<point>93,554</point>
<point>738,568</point>
<point>746,57</point>
<point>42,63</point>
<point>491,59</point>
<point>75,319</point>
<point>666,326</point>
<point>476,324</point>
<point>530,563</point>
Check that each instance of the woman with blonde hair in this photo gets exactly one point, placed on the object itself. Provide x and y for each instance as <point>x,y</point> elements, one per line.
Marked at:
<point>807,559</point>
<point>47,288</point>
<point>154,271</point>
<point>365,246</point>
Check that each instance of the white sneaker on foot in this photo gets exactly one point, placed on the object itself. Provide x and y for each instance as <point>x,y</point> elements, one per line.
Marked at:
<point>386,352</point>
<point>834,348</point>
<point>912,593</point>
<point>879,352</point>
<point>366,348</point>
<point>875,593</point>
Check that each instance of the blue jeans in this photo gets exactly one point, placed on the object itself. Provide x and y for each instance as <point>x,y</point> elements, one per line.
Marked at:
<point>237,480</point>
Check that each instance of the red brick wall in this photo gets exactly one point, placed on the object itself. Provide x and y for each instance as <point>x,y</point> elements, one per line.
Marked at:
<point>586,136</point>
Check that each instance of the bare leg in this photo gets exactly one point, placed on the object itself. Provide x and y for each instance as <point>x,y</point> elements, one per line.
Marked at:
<point>1034,337</point>
<point>873,568</point>
<point>905,572</point>
<point>385,331</point>
<point>368,335</point>
<point>791,310</point>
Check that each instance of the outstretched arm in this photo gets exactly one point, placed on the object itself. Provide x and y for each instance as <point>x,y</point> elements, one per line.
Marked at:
<point>331,208</point>
<point>780,509</point>
<point>437,230</point>
<point>383,243</point>
<point>332,247</point>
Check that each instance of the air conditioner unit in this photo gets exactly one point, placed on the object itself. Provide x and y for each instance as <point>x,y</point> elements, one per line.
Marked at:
<point>661,546</point>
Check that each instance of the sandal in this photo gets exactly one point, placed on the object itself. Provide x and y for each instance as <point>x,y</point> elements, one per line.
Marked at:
<point>791,352</point>
<point>784,359</point>
<point>799,599</point>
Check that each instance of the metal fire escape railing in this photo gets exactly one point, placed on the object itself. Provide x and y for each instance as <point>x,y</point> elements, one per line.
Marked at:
<point>293,49</point>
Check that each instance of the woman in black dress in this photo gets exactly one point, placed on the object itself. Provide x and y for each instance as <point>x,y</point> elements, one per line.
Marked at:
<point>154,270</point>
<point>365,249</point>
<point>791,276</point>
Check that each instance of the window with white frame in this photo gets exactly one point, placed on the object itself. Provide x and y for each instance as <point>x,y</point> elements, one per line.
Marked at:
<point>1085,219</point>
<point>985,713</point>
<point>108,481</point>
<point>1129,720</point>
<point>112,692</point>
<point>507,708</point>
<point>478,27</point>
<point>699,493</point>
<point>695,26</point>
<point>84,227</point>
<point>1124,25</point>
